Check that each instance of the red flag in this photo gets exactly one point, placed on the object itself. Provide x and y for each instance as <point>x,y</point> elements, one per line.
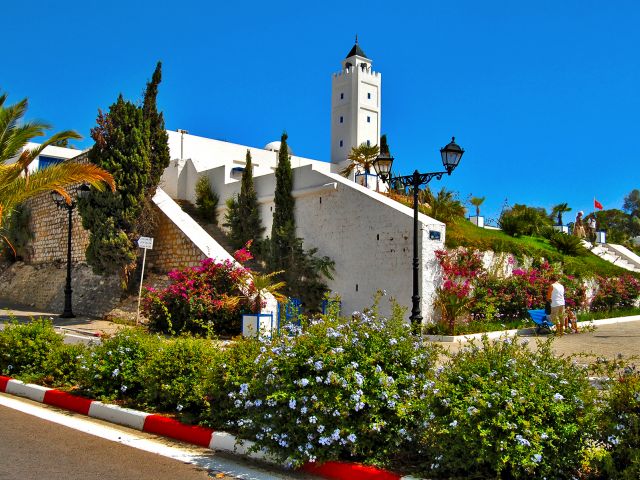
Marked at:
<point>597,204</point>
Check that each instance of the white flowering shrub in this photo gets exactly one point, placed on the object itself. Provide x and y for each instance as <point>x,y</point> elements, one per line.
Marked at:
<point>335,389</point>
<point>500,410</point>
<point>112,369</point>
<point>620,427</point>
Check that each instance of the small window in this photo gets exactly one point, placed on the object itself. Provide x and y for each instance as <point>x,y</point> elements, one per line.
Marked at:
<point>341,143</point>
<point>368,119</point>
<point>368,96</point>
<point>368,143</point>
<point>341,119</point>
<point>342,96</point>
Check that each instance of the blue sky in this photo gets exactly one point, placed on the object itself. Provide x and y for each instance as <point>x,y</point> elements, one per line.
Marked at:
<point>543,96</point>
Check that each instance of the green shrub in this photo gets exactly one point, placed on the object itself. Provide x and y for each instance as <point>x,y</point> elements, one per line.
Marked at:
<point>513,226</point>
<point>62,366</point>
<point>112,370</point>
<point>340,389</point>
<point>24,347</point>
<point>524,220</point>
<point>500,410</point>
<point>206,200</point>
<point>621,428</point>
<point>568,244</point>
<point>173,376</point>
<point>237,365</point>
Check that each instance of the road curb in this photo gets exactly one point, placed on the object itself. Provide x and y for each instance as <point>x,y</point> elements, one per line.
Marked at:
<point>169,427</point>
<point>522,331</point>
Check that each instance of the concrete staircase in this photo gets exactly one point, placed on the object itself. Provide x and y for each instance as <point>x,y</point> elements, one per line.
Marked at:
<point>217,234</point>
<point>616,254</point>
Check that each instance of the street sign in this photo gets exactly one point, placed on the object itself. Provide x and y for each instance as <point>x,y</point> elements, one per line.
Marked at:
<point>145,242</point>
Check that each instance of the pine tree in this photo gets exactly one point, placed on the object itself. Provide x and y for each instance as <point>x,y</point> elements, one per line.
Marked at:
<point>159,156</point>
<point>122,148</point>
<point>243,216</point>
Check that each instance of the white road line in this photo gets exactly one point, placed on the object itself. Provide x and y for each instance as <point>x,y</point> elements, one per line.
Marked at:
<point>196,456</point>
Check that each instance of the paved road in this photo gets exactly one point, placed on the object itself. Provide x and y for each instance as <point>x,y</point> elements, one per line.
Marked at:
<point>38,441</point>
<point>33,448</point>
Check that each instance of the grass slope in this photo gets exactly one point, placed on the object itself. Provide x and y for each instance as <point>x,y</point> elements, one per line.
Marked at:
<point>461,232</point>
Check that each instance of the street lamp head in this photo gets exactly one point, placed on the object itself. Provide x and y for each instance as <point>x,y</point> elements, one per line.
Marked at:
<point>451,155</point>
<point>382,166</point>
<point>57,198</point>
<point>83,191</point>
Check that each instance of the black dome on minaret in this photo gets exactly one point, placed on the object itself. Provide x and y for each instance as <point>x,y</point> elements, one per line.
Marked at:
<point>356,50</point>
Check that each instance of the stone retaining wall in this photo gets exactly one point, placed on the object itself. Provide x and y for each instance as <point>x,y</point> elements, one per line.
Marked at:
<point>41,286</point>
<point>49,225</point>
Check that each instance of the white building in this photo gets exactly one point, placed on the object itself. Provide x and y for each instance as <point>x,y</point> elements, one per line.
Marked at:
<point>368,235</point>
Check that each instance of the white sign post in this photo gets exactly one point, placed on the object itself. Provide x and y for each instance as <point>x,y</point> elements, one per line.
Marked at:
<point>147,244</point>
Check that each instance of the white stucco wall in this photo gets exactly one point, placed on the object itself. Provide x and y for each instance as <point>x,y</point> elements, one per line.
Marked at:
<point>56,152</point>
<point>368,235</point>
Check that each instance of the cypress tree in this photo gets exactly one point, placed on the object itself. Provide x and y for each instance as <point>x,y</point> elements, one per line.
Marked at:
<point>243,215</point>
<point>284,227</point>
<point>122,148</point>
<point>159,156</point>
<point>302,271</point>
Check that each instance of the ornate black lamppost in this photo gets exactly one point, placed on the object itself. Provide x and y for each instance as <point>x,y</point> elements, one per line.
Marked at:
<point>60,201</point>
<point>451,155</point>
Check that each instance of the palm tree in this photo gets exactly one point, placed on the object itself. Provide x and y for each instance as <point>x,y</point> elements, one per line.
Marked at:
<point>263,284</point>
<point>558,210</point>
<point>445,206</point>
<point>476,202</point>
<point>361,157</point>
<point>17,184</point>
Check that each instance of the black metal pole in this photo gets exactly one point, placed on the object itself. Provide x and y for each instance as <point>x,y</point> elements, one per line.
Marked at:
<point>416,317</point>
<point>68,312</point>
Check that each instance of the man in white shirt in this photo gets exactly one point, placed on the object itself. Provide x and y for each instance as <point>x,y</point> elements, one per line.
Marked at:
<point>555,295</point>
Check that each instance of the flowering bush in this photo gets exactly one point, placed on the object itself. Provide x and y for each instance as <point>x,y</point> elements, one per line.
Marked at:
<point>112,369</point>
<point>204,300</point>
<point>621,427</point>
<point>503,411</point>
<point>340,389</point>
<point>459,269</point>
<point>615,293</point>
<point>509,299</point>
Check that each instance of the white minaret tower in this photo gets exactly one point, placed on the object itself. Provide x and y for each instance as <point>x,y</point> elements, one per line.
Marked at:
<point>355,106</point>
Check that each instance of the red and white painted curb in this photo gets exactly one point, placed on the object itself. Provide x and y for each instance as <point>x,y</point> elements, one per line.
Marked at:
<point>168,427</point>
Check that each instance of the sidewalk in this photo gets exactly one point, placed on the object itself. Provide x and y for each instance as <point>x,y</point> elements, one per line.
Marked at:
<point>80,324</point>
<point>606,341</point>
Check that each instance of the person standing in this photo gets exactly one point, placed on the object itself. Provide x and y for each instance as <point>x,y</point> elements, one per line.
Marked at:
<point>555,295</point>
<point>592,228</point>
<point>578,226</point>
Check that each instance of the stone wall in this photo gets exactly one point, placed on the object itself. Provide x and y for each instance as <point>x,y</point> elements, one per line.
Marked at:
<point>49,225</point>
<point>39,282</point>
<point>171,247</point>
<point>41,286</point>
